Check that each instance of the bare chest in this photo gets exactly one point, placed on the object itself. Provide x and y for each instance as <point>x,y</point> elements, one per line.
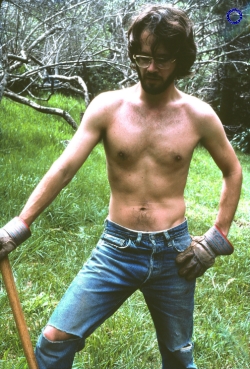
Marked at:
<point>166,137</point>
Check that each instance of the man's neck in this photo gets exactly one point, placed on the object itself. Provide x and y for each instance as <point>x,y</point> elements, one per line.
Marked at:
<point>169,95</point>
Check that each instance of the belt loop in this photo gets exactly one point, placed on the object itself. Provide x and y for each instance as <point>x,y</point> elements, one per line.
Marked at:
<point>166,234</point>
<point>168,238</point>
<point>139,237</point>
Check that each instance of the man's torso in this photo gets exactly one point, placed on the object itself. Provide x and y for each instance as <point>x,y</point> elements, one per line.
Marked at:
<point>148,154</point>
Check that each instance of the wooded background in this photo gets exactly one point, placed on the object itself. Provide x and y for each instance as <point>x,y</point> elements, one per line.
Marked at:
<point>80,48</point>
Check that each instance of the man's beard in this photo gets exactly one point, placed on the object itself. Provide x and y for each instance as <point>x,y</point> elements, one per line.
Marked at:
<point>155,90</point>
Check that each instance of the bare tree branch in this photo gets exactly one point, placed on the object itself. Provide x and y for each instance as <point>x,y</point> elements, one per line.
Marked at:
<point>42,109</point>
<point>83,44</point>
<point>77,79</point>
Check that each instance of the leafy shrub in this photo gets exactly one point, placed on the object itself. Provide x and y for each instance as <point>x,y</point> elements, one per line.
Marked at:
<point>242,141</point>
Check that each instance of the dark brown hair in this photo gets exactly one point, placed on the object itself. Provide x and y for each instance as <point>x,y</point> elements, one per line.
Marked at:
<point>171,27</point>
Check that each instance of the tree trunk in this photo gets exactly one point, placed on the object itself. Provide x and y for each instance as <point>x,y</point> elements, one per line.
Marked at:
<point>227,101</point>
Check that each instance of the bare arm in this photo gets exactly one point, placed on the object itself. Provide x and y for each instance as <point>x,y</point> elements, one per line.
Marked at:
<point>203,250</point>
<point>66,166</point>
<point>215,141</point>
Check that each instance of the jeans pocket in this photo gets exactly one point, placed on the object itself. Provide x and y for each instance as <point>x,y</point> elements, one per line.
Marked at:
<point>181,243</point>
<point>114,241</point>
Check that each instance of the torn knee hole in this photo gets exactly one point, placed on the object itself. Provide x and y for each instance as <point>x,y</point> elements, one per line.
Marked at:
<point>188,347</point>
<point>52,334</point>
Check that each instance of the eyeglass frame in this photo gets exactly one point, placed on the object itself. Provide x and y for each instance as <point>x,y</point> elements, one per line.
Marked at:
<point>150,61</point>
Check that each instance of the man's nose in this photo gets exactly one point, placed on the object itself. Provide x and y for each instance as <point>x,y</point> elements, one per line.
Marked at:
<point>152,66</point>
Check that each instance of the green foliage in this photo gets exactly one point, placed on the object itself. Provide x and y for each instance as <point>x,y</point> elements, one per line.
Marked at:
<point>65,234</point>
<point>101,79</point>
<point>242,141</point>
<point>90,41</point>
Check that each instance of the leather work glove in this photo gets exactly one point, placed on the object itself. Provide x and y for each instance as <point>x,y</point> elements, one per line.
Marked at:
<point>201,253</point>
<point>12,235</point>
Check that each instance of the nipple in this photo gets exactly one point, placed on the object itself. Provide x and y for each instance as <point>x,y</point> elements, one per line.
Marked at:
<point>121,154</point>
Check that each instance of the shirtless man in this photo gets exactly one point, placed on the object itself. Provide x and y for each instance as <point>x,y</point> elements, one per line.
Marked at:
<point>149,133</point>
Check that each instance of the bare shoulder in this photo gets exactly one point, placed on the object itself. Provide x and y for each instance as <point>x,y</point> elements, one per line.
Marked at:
<point>109,101</point>
<point>198,108</point>
<point>203,116</point>
<point>102,108</point>
<point>211,132</point>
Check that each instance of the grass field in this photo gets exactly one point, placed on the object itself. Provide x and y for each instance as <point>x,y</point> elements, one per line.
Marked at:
<point>65,234</point>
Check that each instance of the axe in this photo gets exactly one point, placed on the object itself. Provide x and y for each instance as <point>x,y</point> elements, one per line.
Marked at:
<point>18,313</point>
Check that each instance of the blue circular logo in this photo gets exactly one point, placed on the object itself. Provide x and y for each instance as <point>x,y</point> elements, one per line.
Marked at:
<point>234,10</point>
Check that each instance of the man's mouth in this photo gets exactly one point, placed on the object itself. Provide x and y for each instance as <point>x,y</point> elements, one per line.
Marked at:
<point>153,78</point>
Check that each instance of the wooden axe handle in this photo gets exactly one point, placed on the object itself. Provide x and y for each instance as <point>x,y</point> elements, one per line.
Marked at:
<point>18,313</point>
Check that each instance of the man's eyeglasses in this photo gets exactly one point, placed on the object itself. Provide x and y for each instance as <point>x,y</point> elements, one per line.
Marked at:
<point>144,61</point>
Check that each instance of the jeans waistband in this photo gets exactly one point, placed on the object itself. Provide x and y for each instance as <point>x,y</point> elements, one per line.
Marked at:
<point>115,229</point>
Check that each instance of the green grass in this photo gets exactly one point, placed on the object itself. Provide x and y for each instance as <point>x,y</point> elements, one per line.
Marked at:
<point>65,234</point>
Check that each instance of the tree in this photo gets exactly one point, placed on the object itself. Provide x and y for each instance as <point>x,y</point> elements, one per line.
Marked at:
<point>58,46</point>
<point>222,68</point>
<point>80,47</point>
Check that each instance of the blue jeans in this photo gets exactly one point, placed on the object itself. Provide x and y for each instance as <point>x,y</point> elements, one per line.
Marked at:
<point>123,262</point>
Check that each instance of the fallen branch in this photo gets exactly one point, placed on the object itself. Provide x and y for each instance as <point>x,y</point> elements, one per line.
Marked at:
<point>42,109</point>
<point>77,79</point>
